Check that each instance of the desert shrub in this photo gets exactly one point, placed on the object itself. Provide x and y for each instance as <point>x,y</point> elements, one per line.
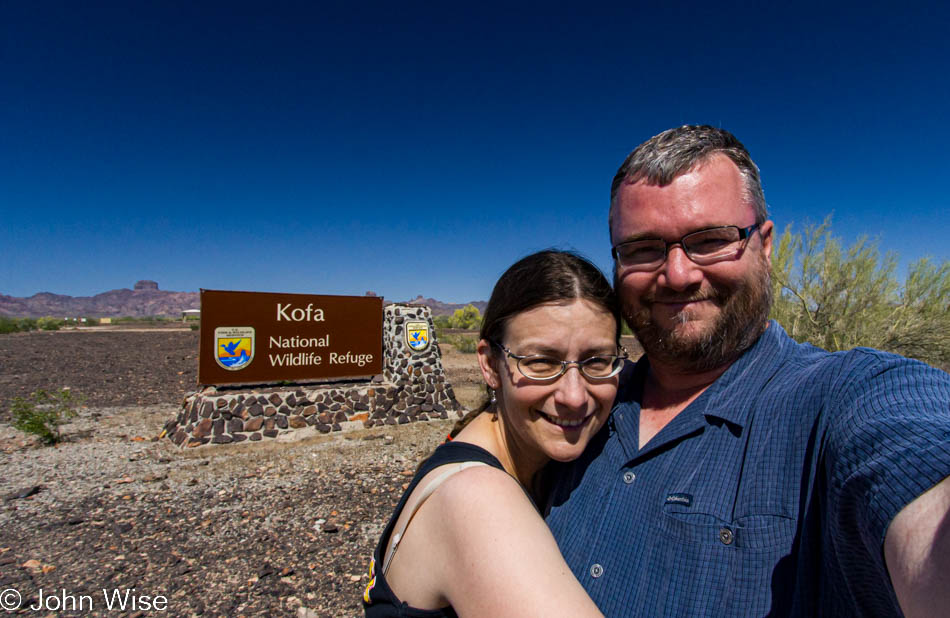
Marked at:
<point>463,343</point>
<point>48,323</point>
<point>193,326</point>
<point>16,325</point>
<point>133,319</point>
<point>42,413</point>
<point>441,322</point>
<point>839,298</point>
<point>466,318</point>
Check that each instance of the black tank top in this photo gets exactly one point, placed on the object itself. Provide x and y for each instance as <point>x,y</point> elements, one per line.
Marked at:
<point>379,601</point>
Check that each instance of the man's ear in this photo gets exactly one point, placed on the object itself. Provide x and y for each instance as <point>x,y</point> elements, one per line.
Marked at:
<point>765,233</point>
<point>486,364</point>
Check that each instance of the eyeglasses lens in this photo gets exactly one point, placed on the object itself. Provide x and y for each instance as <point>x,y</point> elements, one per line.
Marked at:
<point>543,368</point>
<point>539,367</point>
<point>642,253</point>
<point>712,243</point>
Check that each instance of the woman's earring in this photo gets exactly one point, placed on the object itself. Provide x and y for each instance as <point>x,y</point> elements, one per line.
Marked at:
<point>493,400</point>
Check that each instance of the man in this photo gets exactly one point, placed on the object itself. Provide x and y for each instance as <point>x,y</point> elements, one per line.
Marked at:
<point>741,473</point>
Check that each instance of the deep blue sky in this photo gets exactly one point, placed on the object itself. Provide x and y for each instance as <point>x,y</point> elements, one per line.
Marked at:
<point>421,148</point>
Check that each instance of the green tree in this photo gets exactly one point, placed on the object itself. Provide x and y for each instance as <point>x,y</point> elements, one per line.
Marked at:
<point>466,318</point>
<point>441,322</point>
<point>839,298</point>
<point>48,323</point>
<point>17,325</point>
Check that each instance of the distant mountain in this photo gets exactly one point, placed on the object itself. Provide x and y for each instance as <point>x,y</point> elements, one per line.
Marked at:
<point>440,308</point>
<point>145,299</point>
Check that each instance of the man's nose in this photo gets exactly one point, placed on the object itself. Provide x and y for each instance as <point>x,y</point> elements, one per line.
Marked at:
<point>572,389</point>
<point>678,271</point>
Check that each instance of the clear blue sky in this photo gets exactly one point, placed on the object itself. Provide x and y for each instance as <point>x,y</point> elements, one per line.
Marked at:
<point>421,148</point>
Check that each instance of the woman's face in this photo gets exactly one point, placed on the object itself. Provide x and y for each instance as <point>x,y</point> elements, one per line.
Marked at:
<point>554,419</point>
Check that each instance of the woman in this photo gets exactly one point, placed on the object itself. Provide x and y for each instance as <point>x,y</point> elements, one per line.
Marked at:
<point>549,353</point>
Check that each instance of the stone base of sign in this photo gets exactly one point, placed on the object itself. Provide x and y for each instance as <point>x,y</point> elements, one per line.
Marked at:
<point>412,388</point>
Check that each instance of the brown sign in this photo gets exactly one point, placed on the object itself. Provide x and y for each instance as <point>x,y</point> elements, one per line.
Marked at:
<point>258,337</point>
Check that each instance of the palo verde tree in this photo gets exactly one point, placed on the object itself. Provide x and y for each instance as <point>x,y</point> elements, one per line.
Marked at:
<point>839,298</point>
<point>466,318</point>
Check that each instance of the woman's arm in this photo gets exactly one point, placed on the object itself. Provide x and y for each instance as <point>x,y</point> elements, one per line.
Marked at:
<point>493,555</point>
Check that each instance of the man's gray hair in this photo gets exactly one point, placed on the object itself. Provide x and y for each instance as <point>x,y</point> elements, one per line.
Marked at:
<point>662,158</point>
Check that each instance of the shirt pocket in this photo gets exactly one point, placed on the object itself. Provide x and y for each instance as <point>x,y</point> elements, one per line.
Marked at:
<point>711,566</point>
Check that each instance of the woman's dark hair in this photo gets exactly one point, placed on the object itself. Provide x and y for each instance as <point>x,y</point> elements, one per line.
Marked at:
<point>544,277</point>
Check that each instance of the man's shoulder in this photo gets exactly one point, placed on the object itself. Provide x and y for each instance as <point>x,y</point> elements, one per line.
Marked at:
<point>794,357</point>
<point>777,363</point>
<point>841,379</point>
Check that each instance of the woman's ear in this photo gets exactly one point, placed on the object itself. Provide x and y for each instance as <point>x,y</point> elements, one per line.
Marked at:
<point>486,364</point>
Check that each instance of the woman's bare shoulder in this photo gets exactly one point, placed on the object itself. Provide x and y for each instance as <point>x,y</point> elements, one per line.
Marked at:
<point>494,549</point>
<point>476,487</point>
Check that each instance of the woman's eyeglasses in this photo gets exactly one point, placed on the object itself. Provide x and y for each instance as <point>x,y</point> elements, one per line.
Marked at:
<point>539,367</point>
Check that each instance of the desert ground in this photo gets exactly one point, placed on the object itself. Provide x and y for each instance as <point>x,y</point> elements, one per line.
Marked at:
<point>276,528</point>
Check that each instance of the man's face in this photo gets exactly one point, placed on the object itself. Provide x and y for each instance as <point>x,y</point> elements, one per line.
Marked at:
<point>688,316</point>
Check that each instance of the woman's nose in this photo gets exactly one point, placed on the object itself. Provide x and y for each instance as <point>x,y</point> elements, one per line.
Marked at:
<point>572,388</point>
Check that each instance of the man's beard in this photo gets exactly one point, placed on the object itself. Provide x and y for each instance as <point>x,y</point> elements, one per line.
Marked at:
<point>742,318</point>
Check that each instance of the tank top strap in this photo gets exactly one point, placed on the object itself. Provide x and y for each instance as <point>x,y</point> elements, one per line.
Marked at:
<point>428,491</point>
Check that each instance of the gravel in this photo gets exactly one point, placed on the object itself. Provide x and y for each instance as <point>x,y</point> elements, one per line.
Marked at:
<point>272,528</point>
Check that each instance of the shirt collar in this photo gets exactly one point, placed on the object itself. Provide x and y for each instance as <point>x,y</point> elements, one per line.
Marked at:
<point>753,369</point>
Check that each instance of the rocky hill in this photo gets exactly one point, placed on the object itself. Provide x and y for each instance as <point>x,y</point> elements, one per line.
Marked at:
<point>145,299</point>
<point>440,308</point>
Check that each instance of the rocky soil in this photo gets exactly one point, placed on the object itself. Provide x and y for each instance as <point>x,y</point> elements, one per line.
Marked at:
<point>107,366</point>
<point>282,529</point>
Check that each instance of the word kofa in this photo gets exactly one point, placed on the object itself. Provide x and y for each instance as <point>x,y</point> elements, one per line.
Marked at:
<point>289,313</point>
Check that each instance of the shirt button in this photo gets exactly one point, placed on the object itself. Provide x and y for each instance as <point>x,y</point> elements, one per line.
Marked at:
<point>725,536</point>
<point>596,570</point>
<point>629,477</point>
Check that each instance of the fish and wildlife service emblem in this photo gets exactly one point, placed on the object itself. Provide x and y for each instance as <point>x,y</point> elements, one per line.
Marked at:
<point>417,335</point>
<point>234,346</point>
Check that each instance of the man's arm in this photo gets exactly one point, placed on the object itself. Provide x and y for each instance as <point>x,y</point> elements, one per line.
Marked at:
<point>917,553</point>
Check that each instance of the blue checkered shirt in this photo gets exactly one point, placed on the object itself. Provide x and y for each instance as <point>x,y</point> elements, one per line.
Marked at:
<point>770,494</point>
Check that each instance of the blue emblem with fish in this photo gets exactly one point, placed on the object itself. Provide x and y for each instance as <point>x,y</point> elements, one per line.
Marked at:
<point>417,335</point>
<point>234,347</point>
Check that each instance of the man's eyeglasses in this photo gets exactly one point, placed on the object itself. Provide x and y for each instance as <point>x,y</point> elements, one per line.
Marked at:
<point>703,247</point>
<point>542,368</point>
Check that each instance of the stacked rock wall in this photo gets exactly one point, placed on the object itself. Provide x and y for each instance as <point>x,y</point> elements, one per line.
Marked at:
<point>411,388</point>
